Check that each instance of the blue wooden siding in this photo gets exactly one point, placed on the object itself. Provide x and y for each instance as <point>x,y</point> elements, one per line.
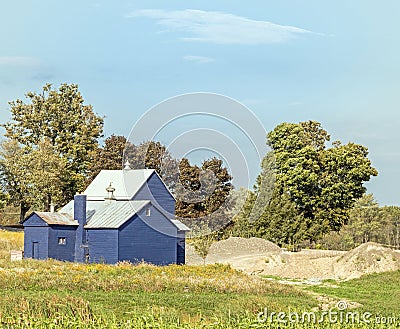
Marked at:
<point>39,236</point>
<point>80,216</point>
<point>103,245</point>
<point>149,238</point>
<point>180,242</point>
<point>34,220</point>
<point>155,191</point>
<point>62,251</point>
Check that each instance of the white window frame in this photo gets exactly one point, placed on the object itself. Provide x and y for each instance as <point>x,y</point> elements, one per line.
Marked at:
<point>62,240</point>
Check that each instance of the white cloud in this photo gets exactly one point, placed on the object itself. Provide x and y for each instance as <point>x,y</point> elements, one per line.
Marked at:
<point>295,103</point>
<point>199,59</point>
<point>18,61</point>
<point>221,28</point>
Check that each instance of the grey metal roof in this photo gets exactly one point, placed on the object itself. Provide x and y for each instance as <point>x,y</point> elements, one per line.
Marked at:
<point>109,213</point>
<point>180,225</point>
<point>126,183</point>
<point>113,214</point>
<point>54,218</point>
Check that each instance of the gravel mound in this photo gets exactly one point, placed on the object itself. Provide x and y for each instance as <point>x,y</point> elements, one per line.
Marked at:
<point>367,258</point>
<point>191,258</point>
<point>256,256</point>
<point>238,247</point>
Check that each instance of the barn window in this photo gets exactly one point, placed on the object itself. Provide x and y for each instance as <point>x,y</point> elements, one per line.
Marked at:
<point>148,212</point>
<point>62,240</point>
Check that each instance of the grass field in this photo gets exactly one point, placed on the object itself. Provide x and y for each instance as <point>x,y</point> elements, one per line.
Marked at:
<point>52,294</point>
<point>10,241</point>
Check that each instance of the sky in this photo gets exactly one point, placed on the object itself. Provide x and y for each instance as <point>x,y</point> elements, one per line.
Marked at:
<point>336,62</point>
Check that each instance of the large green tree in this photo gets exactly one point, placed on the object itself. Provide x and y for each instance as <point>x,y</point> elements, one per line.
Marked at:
<point>32,178</point>
<point>322,182</point>
<point>62,118</point>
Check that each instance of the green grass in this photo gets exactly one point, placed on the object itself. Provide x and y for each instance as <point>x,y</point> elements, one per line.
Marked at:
<point>378,293</point>
<point>146,296</point>
<point>53,294</point>
<point>192,295</point>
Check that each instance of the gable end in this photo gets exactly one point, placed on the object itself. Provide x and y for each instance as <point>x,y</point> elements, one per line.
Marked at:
<point>34,220</point>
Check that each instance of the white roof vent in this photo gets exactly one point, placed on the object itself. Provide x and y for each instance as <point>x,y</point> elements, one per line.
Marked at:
<point>110,192</point>
<point>127,165</point>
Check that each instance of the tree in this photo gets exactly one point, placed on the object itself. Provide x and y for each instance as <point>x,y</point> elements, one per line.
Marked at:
<point>392,229</point>
<point>281,223</point>
<point>117,150</point>
<point>108,157</point>
<point>366,220</point>
<point>203,194</point>
<point>61,117</point>
<point>253,205</point>
<point>239,213</point>
<point>323,183</point>
<point>154,155</point>
<point>264,187</point>
<point>32,178</point>
<point>202,245</point>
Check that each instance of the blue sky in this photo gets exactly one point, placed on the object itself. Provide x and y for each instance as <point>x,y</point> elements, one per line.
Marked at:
<point>333,61</point>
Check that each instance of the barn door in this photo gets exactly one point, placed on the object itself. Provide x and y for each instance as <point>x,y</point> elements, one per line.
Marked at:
<point>35,250</point>
<point>180,259</point>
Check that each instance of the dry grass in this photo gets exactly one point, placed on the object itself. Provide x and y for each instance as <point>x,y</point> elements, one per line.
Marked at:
<point>10,241</point>
<point>31,274</point>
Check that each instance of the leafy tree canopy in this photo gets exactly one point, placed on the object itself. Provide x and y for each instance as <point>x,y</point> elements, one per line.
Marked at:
<point>203,194</point>
<point>32,179</point>
<point>108,157</point>
<point>69,128</point>
<point>323,183</point>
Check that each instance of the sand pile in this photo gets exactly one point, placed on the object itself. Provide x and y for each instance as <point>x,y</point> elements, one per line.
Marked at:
<point>235,247</point>
<point>191,258</point>
<point>259,256</point>
<point>236,251</point>
<point>243,254</point>
<point>367,258</point>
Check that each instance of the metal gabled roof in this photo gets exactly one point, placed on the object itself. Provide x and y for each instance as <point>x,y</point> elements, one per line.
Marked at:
<point>113,214</point>
<point>54,218</point>
<point>109,213</point>
<point>126,183</point>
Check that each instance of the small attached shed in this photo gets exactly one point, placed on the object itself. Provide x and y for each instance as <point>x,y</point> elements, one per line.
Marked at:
<point>45,236</point>
<point>136,224</point>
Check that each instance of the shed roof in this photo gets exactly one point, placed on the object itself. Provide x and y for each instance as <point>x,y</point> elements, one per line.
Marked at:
<point>180,225</point>
<point>54,218</point>
<point>126,183</point>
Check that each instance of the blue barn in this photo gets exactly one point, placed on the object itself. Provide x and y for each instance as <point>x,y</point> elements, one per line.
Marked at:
<point>124,215</point>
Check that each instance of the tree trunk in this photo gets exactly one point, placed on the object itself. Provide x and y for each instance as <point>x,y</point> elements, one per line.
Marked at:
<point>24,209</point>
<point>47,202</point>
